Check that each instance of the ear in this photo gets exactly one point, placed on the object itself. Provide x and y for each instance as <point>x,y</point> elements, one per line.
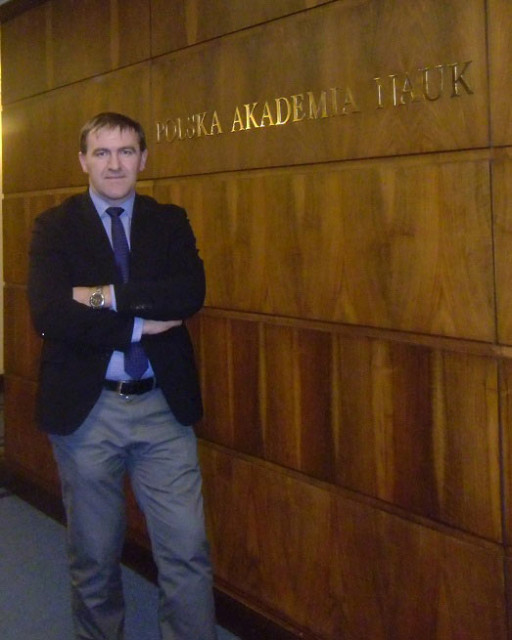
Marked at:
<point>81,157</point>
<point>143,160</point>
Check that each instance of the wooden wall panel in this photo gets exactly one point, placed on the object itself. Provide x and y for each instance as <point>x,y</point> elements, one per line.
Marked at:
<point>27,448</point>
<point>59,50</point>
<point>506,435</point>
<point>215,351</point>
<point>16,237</point>
<point>314,380</point>
<point>383,577</point>
<point>348,46</point>
<point>27,70</point>
<point>412,426</point>
<point>279,397</point>
<point>74,27</point>
<point>63,113</point>
<point>187,22</point>
<point>124,24</point>
<point>508,574</point>
<point>502,208</point>
<point>465,436</point>
<point>398,244</point>
<point>23,347</point>
<point>500,24</point>
<point>247,412</point>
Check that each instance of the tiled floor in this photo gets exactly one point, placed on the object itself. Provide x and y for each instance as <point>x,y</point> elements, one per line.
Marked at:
<point>33,575</point>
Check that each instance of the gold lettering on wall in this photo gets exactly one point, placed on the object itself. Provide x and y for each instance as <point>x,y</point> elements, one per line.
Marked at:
<point>423,85</point>
<point>194,126</point>
<point>458,79</point>
<point>427,83</point>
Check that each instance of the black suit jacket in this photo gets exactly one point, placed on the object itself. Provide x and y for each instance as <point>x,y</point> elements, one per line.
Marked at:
<point>70,248</point>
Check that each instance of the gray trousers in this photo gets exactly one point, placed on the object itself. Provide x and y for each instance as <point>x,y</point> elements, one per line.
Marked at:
<point>136,436</point>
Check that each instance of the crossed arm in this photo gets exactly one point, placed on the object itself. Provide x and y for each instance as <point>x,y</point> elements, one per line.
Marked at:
<point>173,290</point>
<point>149,327</point>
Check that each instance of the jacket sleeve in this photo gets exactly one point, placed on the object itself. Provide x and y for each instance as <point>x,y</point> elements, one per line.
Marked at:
<point>176,290</point>
<point>55,315</point>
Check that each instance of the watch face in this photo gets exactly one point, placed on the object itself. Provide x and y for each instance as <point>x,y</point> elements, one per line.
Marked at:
<point>97,300</point>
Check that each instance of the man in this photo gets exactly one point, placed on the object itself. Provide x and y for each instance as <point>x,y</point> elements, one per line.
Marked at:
<point>112,276</point>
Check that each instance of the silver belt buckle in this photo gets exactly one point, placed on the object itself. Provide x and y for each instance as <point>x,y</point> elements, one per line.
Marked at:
<point>119,389</point>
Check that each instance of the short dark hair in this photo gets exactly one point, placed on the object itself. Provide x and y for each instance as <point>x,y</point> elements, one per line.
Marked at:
<point>111,120</point>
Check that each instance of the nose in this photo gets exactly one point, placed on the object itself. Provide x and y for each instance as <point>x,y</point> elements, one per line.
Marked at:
<point>113,162</point>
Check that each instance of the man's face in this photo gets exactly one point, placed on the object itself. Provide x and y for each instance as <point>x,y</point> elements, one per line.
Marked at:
<point>113,160</point>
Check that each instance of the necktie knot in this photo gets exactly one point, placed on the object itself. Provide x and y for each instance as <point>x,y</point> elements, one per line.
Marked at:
<point>114,212</point>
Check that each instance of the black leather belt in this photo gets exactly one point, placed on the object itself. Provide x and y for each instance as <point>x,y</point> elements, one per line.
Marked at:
<point>131,387</point>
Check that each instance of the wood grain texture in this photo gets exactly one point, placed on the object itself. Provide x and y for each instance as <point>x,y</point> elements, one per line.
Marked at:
<point>502,210</point>
<point>60,51</point>
<point>25,70</point>
<point>348,45</point>
<point>123,24</point>
<point>505,388</point>
<point>500,23</point>
<point>399,244</point>
<point>25,446</point>
<point>411,426</point>
<point>22,349</point>
<point>187,22</point>
<point>383,577</point>
<point>71,26</point>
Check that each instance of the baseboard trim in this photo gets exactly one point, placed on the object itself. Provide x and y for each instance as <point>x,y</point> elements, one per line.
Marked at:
<point>232,614</point>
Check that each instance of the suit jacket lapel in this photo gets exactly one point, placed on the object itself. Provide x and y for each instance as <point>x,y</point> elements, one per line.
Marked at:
<point>95,239</point>
<point>144,237</point>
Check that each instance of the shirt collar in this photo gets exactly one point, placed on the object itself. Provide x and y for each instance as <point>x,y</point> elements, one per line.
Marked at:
<point>102,205</point>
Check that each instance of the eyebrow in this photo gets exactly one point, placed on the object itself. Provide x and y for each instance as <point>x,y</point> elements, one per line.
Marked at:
<point>125,148</point>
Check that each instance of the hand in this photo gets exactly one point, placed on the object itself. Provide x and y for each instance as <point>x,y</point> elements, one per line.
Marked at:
<point>82,295</point>
<point>153,327</point>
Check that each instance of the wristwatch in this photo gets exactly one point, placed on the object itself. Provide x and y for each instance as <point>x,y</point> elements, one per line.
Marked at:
<point>97,299</point>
